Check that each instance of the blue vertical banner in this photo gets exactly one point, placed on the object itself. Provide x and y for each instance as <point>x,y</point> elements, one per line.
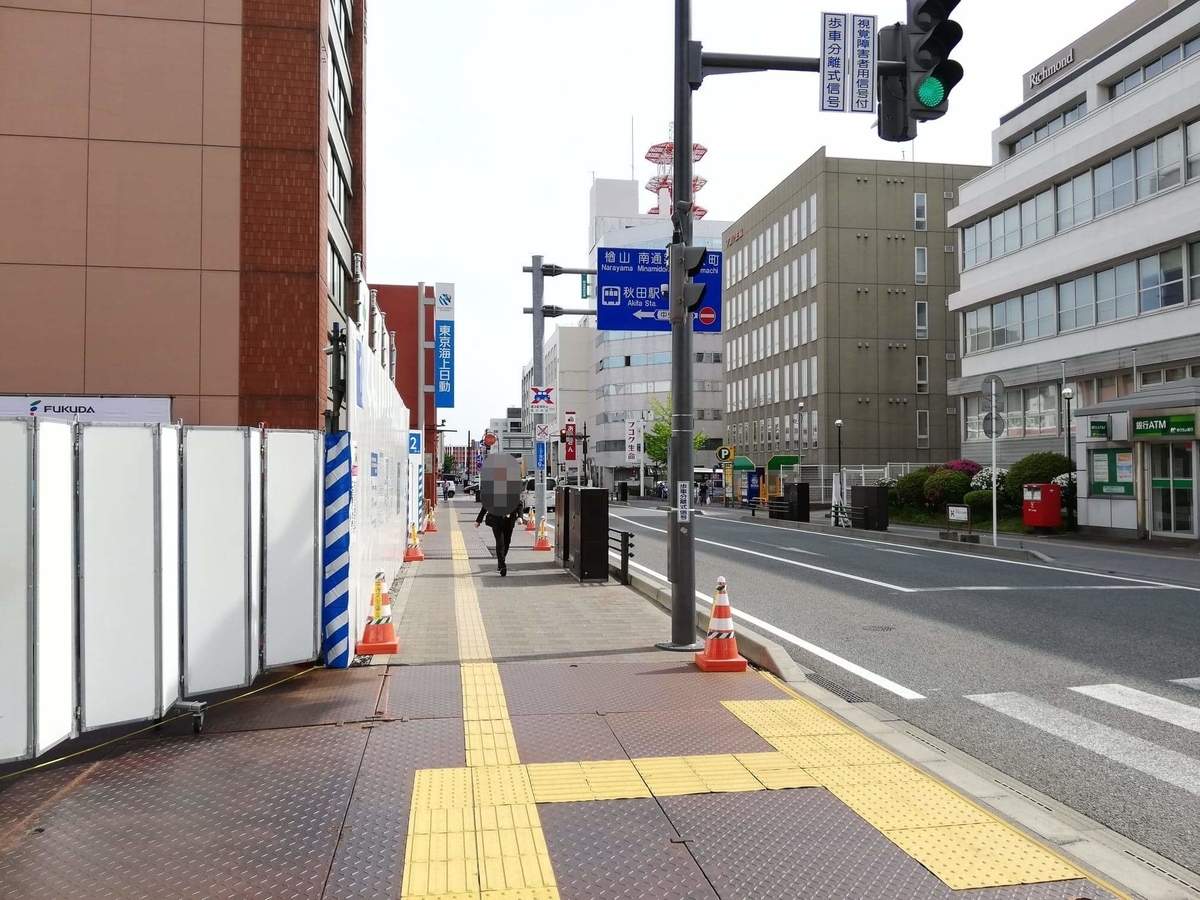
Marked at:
<point>335,588</point>
<point>443,346</point>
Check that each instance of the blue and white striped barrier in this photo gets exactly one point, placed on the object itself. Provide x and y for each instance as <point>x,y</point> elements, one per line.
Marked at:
<point>335,611</point>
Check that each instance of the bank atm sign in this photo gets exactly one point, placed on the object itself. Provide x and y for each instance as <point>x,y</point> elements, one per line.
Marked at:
<point>1165,426</point>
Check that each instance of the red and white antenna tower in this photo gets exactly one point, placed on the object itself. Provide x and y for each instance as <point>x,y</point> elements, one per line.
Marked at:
<point>663,157</point>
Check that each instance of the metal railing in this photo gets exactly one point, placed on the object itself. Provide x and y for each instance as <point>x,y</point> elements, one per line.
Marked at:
<point>622,542</point>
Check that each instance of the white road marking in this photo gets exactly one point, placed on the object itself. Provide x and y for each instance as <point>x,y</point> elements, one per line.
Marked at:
<point>977,558</point>
<point>1193,683</point>
<point>886,683</point>
<point>1146,704</point>
<point>889,550</point>
<point>1134,752</point>
<point>790,562</point>
<point>1050,587</point>
<point>788,549</point>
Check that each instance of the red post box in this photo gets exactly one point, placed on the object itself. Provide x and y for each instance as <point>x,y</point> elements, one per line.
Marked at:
<point>1042,505</point>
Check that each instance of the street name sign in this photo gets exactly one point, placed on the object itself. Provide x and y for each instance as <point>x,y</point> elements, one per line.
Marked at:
<point>848,59</point>
<point>631,291</point>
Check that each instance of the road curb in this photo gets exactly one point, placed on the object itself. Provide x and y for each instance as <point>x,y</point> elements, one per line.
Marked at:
<point>1137,870</point>
<point>904,540</point>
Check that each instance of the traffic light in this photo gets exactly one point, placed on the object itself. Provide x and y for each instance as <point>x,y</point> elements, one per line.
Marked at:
<point>932,74</point>
<point>894,121</point>
<point>562,435</point>
<point>685,296</point>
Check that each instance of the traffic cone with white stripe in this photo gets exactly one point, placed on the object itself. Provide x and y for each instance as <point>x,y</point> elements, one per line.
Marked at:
<point>414,553</point>
<point>530,525</point>
<point>379,635</point>
<point>720,652</point>
<point>431,520</point>
<point>542,542</point>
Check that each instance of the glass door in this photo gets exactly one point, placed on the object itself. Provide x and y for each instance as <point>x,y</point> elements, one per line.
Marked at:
<point>1172,489</point>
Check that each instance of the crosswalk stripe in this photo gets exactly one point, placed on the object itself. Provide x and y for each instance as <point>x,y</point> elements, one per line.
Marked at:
<point>1136,753</point>
<point>1147,704</point>
<point>1193,683</point>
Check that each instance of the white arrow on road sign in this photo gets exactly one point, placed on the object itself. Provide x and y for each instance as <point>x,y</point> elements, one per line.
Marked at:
<point>645,314</point>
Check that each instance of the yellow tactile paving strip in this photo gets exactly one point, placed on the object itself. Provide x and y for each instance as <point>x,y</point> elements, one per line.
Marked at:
<point>474,832</point>
<point>959,842</point>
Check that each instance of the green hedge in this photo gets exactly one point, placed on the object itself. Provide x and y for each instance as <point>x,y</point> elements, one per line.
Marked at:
<point>910,489</point>
<point>1037,468</point>
<point>981,505</point>
<point>946,486</point>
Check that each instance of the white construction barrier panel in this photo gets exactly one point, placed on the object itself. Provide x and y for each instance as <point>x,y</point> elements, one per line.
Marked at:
<point>128,586</point>
<point>221,481</point>
<point>16,600</point>
<point>53,583</point>
<point>291,547</point>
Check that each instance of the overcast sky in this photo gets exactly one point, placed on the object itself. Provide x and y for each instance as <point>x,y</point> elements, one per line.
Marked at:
<point>487,121</point>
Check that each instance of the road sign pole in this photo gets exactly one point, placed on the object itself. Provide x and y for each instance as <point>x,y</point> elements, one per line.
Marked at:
<point>682,544</point>
<point>995,528</point>
<point>539,326</point>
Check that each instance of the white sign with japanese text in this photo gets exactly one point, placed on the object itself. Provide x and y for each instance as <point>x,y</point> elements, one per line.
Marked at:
<point>862,87</point>
<point>833,61</point>
<point>631,441</point>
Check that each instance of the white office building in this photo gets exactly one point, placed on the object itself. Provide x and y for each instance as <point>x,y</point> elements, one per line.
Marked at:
<point>627,368</point>
<point>1080,259</point>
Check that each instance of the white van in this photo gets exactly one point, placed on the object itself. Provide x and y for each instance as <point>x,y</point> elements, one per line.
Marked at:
<point>529,496</point>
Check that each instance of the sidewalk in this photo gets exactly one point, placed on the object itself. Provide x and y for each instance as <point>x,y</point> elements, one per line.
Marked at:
<point>526,743</point>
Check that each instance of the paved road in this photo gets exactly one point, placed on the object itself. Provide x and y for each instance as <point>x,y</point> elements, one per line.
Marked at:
<point>1083,684</point>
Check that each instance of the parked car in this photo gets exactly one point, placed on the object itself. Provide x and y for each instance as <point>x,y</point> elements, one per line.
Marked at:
<point>528,496</point>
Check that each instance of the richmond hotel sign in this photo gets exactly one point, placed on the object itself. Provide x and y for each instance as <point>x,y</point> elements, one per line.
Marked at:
<point>1037,76</point>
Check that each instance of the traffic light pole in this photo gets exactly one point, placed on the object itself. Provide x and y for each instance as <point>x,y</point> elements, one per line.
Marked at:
<point>540,311</point>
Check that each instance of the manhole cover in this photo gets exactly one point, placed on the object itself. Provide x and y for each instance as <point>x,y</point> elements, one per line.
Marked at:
<point>879,628</point>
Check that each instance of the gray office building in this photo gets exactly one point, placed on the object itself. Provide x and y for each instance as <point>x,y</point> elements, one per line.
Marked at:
<point>836,308</point>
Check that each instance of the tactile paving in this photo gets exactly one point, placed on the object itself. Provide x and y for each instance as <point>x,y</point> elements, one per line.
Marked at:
<point>683,732</point>
<point>785,718</point>
<point>245,815</point>
<point>909,804</point>
<point>775,771</point>
<point>621,849</point>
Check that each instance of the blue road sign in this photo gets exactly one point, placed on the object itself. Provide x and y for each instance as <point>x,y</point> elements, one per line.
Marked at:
<point>541,455</point>
<point>479,462</point>
<point>631,292</point>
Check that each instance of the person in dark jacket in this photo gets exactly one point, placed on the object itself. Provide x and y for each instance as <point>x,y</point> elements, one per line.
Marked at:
<point>502,530</point>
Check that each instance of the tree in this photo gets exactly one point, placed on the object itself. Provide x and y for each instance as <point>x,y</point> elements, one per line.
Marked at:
<point>657,436</point>
<point>448,463</point>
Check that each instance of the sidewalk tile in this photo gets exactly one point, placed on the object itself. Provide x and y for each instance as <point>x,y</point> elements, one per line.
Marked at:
<point>565,738</point>
<point>684,732</point>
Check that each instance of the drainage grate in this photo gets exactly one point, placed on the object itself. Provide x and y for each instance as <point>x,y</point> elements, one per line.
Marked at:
<point>923,741</point>
<point>1032,800</point>
<point>834,688</point>
<point>1160,869</point>
<point>879,628</point>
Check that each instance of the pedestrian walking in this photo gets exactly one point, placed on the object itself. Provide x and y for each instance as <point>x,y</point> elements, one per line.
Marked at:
<point>445,492</point>
<point>704,493</point>
<point>500,503</point>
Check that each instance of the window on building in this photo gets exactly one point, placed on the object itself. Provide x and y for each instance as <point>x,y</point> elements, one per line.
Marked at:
<point>796,234</point>
<point>801,334</point>
<point>804,272</point>
<point>787,382</point>
<point>983,241</point>
<point>812,214</point>
<point>1191,48</point>
<point>1012,230</point>
<point>775,287</point>
<point>787,332</point>
<point>1116,293</point>
<point>1175,373</point>
<point>968,245</point>
<point>787,281</point>
<point>775,336</point>
<point>923,429</point>
<point>978,328</point>
<point>787,231</point>
<point>812,266</point>
<point>1039,315</point>
<point>922,323</point>
<point>1041,409</point>
<point>997,235</point>
<point>922,374</point>
<point>920,212</point>
<point>775,240</point>
<point>804,219</point>
<point>921,265</point>
<point>1006,322</point>
<point>1194,269</point>
<point>1076,304</point>
<point>812,373</point>
<point>1151,378</point>
<point>812,320</point>
<point>1075,201</point>
<point>1192,135</point>
<point>1160,281</point>
<point>1114,183</point>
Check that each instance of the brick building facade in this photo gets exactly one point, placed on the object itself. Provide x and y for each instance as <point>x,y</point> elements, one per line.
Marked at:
<point>189,200</point>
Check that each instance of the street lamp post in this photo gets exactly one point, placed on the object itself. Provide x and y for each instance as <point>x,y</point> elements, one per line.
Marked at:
<point>841,498</point>
<point>1068,394</point>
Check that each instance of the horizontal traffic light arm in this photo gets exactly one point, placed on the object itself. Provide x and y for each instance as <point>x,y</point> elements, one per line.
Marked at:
<point>734,63</point>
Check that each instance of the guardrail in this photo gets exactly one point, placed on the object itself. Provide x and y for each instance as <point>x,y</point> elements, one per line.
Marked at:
<point>622,541</point>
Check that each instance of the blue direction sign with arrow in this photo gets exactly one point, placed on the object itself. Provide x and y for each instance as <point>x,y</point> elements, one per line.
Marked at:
<point>631,291</point>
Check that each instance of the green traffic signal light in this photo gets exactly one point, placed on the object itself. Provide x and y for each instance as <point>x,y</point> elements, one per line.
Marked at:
<point>931,92</point>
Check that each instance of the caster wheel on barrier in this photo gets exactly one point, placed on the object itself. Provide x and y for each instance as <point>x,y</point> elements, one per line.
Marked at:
<point>198,723</point>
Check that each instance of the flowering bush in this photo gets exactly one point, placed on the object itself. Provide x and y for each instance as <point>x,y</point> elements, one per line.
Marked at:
<point>946,486</point>
<point>888,483</point>
<point>982,480</point>
<point>1064,479</point>
<point>968,467</point>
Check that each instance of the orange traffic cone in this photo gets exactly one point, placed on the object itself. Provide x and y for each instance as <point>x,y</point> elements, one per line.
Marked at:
<point>720,652</point>
<point>529,523</point>
<point>431,522</point>
<point>414,552</point>
<point>379,635</point>
<point>542,542</point>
